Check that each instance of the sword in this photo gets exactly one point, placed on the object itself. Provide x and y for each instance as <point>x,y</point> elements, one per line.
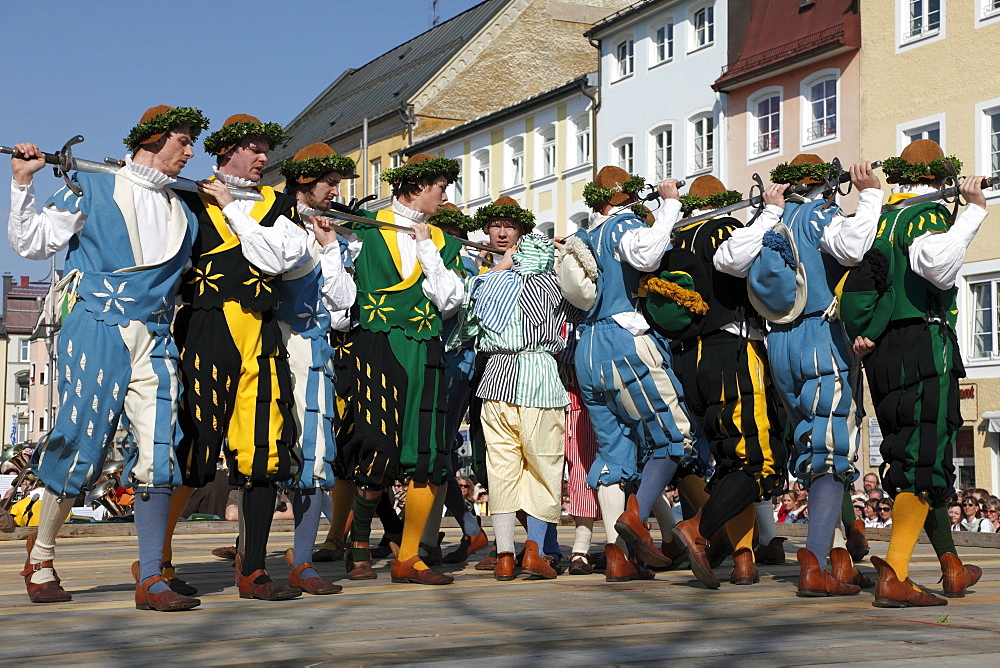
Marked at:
<point>340,215</point>
<point>63,162</point>
<point>947,195</point>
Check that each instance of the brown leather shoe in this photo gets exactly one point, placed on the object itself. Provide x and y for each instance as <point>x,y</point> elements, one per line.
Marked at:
<point>891,592</point>
<point>686,535</point>
<point>675,553</point>
<point>618,567</point>
<point>468,547</point>
<point>772,554</point>
<point>814,581</point>
<point>843,569</point>
<point>489,562</point>
<point>224,553</point>
<point>267,591</point>
<point>169,574</point>
<point>504,570</point>
<point>857,543</point>
<point>43,592</point>
<point>580,565</point>
<point>166,601</point>
<point>314,585</point>
<point>635,532</point>
<point>745,571</point>
<point>956,577</point>
<point>535,565</point>
<point>404,571</point>
<point>358,570</point>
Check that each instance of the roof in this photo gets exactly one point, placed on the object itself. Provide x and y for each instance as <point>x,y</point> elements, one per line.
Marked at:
<point>384,85</point>
<point>573,85</point>
<point>807,31</point>
<point>621,15</point>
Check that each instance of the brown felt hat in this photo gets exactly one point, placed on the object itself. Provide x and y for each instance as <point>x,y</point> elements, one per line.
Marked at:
<point>420,157</point>
<point>506,201</point>
<point>807,159</point>
<point>922,151</point>
<point>150,114</point>
<point>451,207</point>
<point>706,186</point>
<point>613,177</point>
<point>317,150</point>
<point>241,118</point>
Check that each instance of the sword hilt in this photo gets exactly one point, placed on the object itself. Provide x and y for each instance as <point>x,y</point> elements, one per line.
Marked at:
<point>62,162</point>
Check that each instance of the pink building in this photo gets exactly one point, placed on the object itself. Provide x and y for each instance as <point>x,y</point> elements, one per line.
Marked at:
<point>793,84</point>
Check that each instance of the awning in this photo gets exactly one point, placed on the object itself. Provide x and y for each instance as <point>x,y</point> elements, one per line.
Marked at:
<point>992,421</point>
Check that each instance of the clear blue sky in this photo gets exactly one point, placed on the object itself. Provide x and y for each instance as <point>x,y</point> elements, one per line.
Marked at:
<point>92,67</point>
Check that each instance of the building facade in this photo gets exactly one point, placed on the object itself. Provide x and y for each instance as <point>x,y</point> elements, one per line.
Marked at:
<point>536,151</point>
<point>22,302</point>
<point>658,116</point>
<point>793,85</point>
<point>918,82</point>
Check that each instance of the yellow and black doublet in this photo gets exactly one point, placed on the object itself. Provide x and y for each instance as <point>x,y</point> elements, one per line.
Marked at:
<point>237,384</point>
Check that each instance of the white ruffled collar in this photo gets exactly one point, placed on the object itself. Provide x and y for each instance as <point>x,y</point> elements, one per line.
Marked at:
<point>234,181</point>
<point>913,189</point>
<point>595,219</point>
<point>409,215</point>
<point>144,176</point>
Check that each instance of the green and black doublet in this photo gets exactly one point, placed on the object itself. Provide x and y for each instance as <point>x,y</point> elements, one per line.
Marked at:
<point>390,369</point>
<point>237,384</point>
<point>913,372</point>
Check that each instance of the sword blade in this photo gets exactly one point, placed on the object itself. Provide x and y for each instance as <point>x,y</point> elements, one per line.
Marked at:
<point>944,193</point>
<point>340,215</point>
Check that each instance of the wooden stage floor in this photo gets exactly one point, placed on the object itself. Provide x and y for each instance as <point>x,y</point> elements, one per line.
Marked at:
<point>479,622</point>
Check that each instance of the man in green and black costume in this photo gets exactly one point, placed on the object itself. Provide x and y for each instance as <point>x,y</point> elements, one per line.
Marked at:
<point>390,372</point>
<point>900,303</point>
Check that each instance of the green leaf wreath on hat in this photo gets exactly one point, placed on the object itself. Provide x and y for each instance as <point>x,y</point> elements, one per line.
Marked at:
<point>596,197</point>
<point>176,117</point>
<point>691,202</point>
<point>789,173</point>
<point>223,140</point>
<point>426,169</point>
<point>448,216</point>
<point>317,167</point>
<point>898,170</point>
<point>522,217</point>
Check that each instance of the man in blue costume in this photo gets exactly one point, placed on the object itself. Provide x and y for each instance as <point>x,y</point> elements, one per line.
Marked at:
<point>129,237</point>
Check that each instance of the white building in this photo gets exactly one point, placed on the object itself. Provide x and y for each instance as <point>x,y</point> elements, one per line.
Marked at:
<point>658,116</point>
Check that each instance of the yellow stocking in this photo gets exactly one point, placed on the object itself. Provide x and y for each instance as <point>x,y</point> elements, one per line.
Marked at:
<point>740,528</point>
<point>343,501</point>
<point>419,502</point>
<point>908,516</point>
<point>693,489</point>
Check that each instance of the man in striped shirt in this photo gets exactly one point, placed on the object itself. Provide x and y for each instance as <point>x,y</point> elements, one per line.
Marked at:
<point>516,312</point>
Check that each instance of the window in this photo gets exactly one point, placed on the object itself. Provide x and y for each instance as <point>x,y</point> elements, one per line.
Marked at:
<point>457,194</point>
<point>923,19</point>
<point>23,431</point>
<point>932,132</point>
<point>983,295</point>
<point>702,144</point>
<point>703,27</point>
<point>22,394</point>
<point>396,159</point>
<point>515,162</point>
<point>548,137</point>
<point>988,140</point>
<point>663,43</point>
<point>25,350</point>
<point>765,110</point>
<point>42,377</point>
<point>662,150</point>
<point>582,140</point>
<point>376,187</point>
<point>821,97</point>
<point>989,9</point>
<point>352,189</point>
<point>482,162</point>
<point>928,127</point>
<point>41,423</point>
<point>548,229</point>
<point>623,150</point>
<point>964,459</point>
<point>625,58</point>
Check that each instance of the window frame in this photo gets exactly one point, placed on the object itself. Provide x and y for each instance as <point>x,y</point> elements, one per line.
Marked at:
<point>514,171</point>
<point>24,350</point>
<point>616,149</point>
<point>376,176</point>
<point>456,189</point>
<point>671,164</point>
<point>668,25</point>
<point>482,172</point>
<point>984,112</point>
<point>806,120</point>
<point>619,74</point>
<point>581,128</point>
<point>986,15</point>
<point>692,123</point>
<point>753,123</point>
<point>904,41</point>
<point>693,43</point>
<point>903,130</point>
<point>547,151</point>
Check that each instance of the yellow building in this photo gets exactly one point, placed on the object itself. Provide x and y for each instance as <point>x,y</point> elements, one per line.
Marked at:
<point>919,79</point>
<point>496,53</point>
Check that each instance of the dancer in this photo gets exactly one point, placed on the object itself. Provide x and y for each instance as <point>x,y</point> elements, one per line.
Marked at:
<point>129,237</point>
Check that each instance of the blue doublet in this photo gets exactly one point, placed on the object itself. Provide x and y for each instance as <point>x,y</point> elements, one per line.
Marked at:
<point>812,363</point>
<point>116,354</point>
<point>612,363</point>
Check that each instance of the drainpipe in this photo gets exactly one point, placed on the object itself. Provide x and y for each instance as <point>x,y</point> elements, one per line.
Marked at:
<point>364,156</point>
<point>595,106</point>
<point>408,116</point>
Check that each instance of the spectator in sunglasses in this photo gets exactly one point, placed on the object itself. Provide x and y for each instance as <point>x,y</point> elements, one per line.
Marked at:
<point>971,516</point>
<point>992,512</point>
